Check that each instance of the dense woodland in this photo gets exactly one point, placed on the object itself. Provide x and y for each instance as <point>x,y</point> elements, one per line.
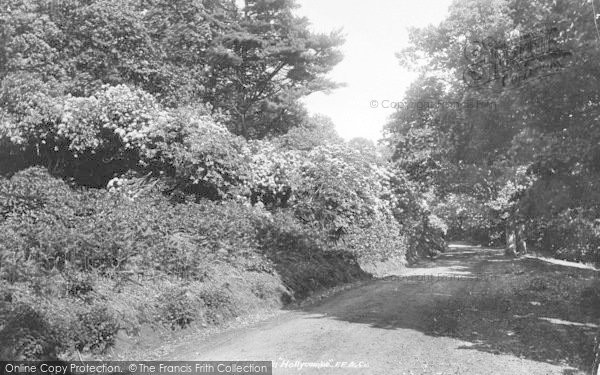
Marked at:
<point>158,167</point>
<point>523,146</point>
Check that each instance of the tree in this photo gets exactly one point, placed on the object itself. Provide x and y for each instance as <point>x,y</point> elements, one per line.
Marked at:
<point>253,62</point>
<point>314,131</point>
<point>543,119</point>
<point>267,61</point>
<point>82,45</point>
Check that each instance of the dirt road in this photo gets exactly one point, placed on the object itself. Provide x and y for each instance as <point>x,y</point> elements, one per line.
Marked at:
<point>472,311</point>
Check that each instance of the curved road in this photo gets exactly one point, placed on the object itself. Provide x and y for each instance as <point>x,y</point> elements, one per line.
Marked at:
<point>385,327</point>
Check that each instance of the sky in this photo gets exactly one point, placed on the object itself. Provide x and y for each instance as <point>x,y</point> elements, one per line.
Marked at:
<point>374,32</point>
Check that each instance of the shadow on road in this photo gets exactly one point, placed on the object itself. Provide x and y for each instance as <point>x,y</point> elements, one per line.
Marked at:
<point>521,307</point>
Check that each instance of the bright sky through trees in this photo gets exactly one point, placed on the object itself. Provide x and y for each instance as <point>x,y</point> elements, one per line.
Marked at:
<point>375,31</point>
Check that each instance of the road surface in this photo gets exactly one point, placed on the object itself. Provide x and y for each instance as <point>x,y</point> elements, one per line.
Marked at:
<point>388,326</point>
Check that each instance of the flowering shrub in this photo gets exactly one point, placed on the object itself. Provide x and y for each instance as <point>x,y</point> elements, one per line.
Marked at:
<point>87,138</point>
<point>95,138</point>
<point>330,186</point>
<point>335,187</point>
<point>116,119</point>
<point>31,108</point>
<point>345,193</point>
<point>198,154</point>
<point>271,172</point>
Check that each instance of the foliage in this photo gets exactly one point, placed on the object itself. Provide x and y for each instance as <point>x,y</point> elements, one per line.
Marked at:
<point>315,131</point>
<point>266,62</point>
<point>128,152</point>
<point>97,329</point>
<point>322,199</point>
<point>178,309</point>
<point>200,156</point>
<point>525,150</point>
<point>24,333</point>
<point>254,62</point>
<point>118,129</point>
<point>108,232</point>
<point>73,251</point>
<point>271,172</point>
<point>572,235</point>
<point>469,218</point>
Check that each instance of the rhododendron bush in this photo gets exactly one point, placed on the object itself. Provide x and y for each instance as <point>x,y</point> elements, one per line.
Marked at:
<point>333,187</point>
<point>172,193</point>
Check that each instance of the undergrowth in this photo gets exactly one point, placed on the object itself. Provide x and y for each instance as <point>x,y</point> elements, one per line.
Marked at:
<point>80,267</point>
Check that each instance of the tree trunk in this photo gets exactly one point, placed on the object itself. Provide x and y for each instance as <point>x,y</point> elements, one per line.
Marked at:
<point>596,365</point>
<point>243,125</point>
<point>521,242</point>
<point>511,241</point>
